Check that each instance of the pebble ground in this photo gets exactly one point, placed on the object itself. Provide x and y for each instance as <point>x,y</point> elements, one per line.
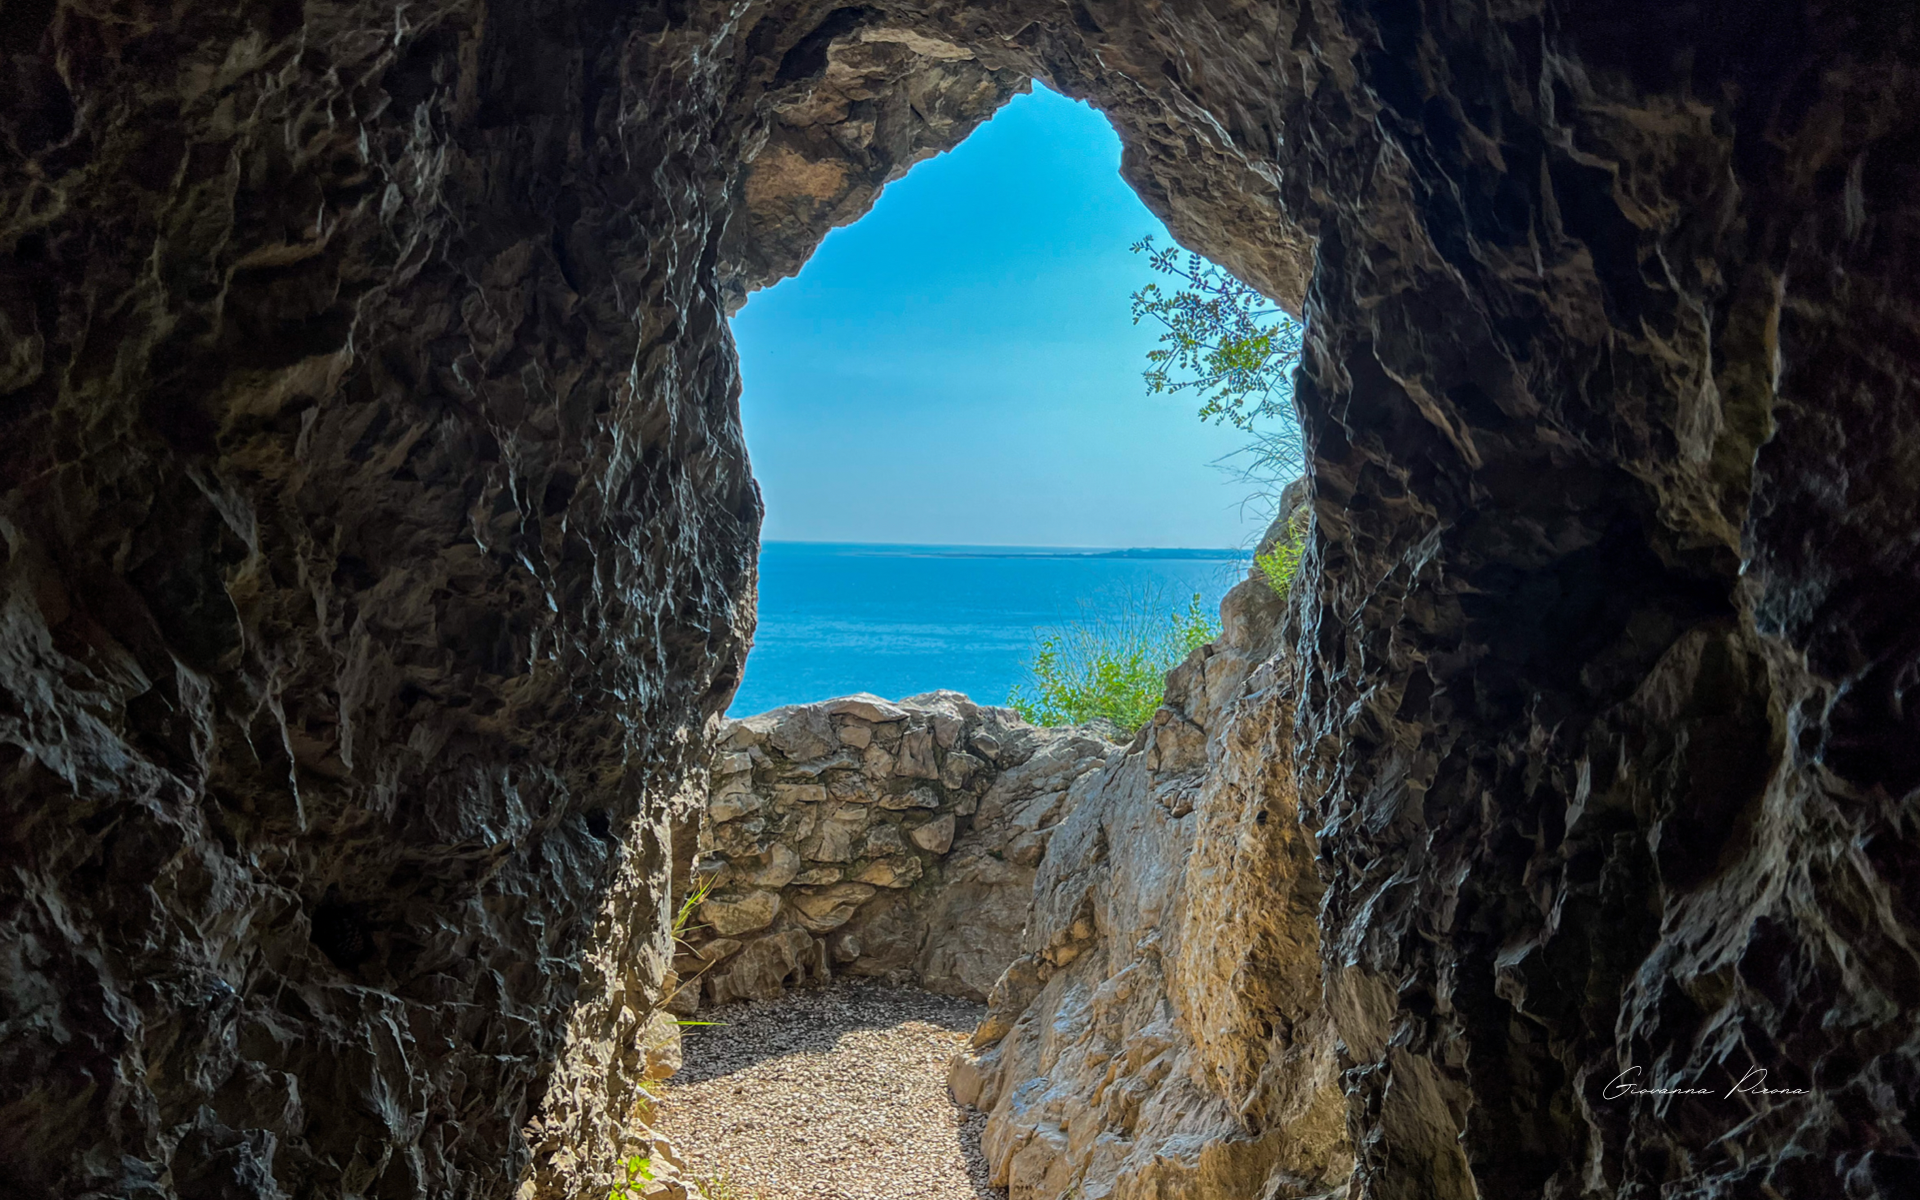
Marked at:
<point>838,1093</point>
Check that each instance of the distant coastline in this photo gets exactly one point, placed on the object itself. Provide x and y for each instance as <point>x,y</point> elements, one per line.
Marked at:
<point>903,550</point>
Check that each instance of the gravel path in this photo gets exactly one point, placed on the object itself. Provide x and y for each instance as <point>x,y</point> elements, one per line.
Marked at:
<point>838,1093</point>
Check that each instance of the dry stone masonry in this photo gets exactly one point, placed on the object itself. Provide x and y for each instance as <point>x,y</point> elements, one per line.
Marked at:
<point>379,547</point>
<point>858,836</point>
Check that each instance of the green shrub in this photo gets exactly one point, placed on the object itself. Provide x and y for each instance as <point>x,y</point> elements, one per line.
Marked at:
<point>1110,668</point>
<point>639,1170</point>
<point>1281,563</point>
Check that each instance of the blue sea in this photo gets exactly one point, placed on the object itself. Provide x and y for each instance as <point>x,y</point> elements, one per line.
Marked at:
<point>900,620</point>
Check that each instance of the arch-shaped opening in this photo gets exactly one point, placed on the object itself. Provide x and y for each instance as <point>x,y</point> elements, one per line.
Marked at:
<point>978,325</point>
<point>872,98</point>
<point>954,442</point>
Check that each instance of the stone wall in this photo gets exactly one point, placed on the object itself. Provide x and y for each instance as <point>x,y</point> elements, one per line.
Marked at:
<point>865,837</point>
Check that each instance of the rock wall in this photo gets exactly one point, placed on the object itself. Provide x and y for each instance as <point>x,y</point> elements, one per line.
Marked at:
<point>1163,1032</point>
<point>864,837</point>
<point>379,541</point>
<point>1613,432</point>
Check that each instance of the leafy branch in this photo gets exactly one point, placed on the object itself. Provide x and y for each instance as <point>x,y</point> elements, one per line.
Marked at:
<point>1224,341</point>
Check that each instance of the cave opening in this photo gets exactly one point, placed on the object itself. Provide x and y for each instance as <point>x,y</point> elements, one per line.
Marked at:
<point>961,364</point>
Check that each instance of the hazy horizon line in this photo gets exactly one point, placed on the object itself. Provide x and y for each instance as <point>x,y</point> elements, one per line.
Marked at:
<point>1007,550</point>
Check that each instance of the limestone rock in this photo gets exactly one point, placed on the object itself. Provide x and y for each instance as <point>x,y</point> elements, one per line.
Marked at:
<point>936,836</point>
<point>882,839</point>
<point>959,769</point>
<point>767,967</point>
<point>805,734</point>
<point>739,801</point>
<point>660,1047</point>
<point>730,916</point>
<point>889,851</point>
<point>782,868</point>
<point>822,909</point>
<point>973,926</point>
<point>919,797</point>
<point>856,734</point>
<point>787,794</point>
<point>834,839</point>
<point>1163,1033</point>
<point>896,872</point>
<point>865,706</point>
<point>743,838</point>
<point>916,755</point>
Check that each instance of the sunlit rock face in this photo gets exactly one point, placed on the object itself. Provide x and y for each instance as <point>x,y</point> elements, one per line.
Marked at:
<point>1163,1033</point>
<point>379,542</point>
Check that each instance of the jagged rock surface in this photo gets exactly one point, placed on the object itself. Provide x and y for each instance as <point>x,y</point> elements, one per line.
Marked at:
<point>1163,1032</point>
<point>865,837</point>
<point>1614,433</point>
<point>379,539</point>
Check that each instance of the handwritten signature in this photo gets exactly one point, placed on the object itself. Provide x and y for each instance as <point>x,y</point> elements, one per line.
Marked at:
<point>1753,1083</point>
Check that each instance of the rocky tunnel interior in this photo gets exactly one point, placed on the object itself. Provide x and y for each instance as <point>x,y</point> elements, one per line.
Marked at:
<point>380,549</point>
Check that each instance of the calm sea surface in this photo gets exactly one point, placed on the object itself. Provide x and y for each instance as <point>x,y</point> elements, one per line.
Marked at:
<point>899,620</point>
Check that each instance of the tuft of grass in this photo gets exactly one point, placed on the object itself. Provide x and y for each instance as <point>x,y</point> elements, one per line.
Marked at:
<point>681,928</point>
<point>687,906</point>
<point>1281,563</point>
<point>1110,668</point>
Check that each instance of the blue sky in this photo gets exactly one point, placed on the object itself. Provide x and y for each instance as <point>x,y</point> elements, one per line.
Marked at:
<point>960,366</point>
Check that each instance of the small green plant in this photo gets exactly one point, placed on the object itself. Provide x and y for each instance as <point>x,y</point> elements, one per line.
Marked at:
<point>687,907</point>
<point>639,1171</point>
<point>1281,562</point>
<point>681,927</point>
<point>1110,668</point>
